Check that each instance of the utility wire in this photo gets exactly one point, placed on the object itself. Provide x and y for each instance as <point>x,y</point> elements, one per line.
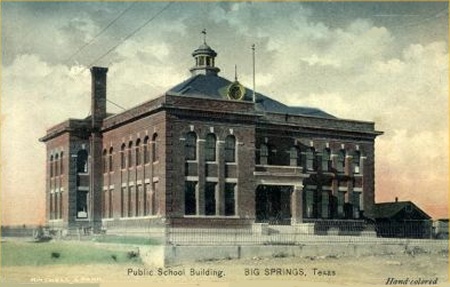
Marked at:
<point>125,39</point>
<point>130,35</point>
<point>117,105</point>
<point>100,33</point>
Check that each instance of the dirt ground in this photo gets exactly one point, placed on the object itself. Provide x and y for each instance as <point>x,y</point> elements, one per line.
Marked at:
<point>420,269</point>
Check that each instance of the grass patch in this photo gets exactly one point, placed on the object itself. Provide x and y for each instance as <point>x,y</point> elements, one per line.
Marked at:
<point>68,253</point>
<point>126,240</point>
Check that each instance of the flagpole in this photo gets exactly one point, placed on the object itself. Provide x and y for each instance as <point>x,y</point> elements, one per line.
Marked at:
<point>254,68</point>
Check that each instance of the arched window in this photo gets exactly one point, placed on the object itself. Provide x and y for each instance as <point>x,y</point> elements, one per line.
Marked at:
<point>138,152</point>
<point>210,147</point>
<point>310,154</point>
<point>130,154</point>
<point>111,162</point>
<point>356,161</point>
<point>341,161</point>
<point>263,153</point>
<point>326,159</point>
<point>51,166</point>
<point>61,163</point>
<point>146,151</point>
<point>56,163</point>
<point>104,161</point>
<point>155,154</point>
<point>82,161</point>
<point>191,146</point>
<point>230,149</point>
<point>122,157</point>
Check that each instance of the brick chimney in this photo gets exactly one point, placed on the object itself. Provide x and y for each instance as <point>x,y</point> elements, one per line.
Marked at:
<point>98,113</point>
<point>98,96</point>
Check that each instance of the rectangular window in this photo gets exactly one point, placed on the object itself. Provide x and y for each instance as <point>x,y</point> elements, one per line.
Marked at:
<point>110,202</point>
<point>210,198</point>
<point>131,201</point>
<point>82,207</point>
<point>325,204</point>
<point>123,202</point>
<point>340,203</point>
<point>55,198</point>
<point>140,200</point>
<point>60,205</point>
<point>340,166</point>
<point>230,200</point>
<point>146,204</point>
<point>190,198</point>
<point>356,162</point>
<point>263,154</point>
<point>356,204</point>
<point>105,204</point>
<point>293,156</point>
<point>309,202</point>
<point>310,159</point>
<point>326,160</point>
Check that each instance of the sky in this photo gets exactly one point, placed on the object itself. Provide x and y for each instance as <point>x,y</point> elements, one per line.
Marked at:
<point>382,62</point>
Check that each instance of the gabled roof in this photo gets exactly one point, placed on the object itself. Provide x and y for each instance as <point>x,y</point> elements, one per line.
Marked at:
<point>387,210</point>
<point>215,87</point>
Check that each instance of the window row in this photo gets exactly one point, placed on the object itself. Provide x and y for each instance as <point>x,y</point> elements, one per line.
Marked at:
<point>309,158</point>
<point>133,154</point>
<point>136,201</point>
<point>56,164</point>
<point>212,199</point>
<point>55,205</point>
<point>321,204</point>
<point>210,147</point>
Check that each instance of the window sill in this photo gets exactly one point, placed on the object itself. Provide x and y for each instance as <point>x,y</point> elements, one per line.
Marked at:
<point>82,219</point>
<point>212,216</point>
<point>139,217</point>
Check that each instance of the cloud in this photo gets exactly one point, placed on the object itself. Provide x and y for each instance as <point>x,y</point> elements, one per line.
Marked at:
<point>35,99</point>
<point>355,69</point>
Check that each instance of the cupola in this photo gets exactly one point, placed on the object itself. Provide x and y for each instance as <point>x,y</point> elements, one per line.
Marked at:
<point>204,59</point>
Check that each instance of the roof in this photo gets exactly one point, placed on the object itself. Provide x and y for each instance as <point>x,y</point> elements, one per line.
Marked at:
<point>392,209</point>
<point>215,87</point>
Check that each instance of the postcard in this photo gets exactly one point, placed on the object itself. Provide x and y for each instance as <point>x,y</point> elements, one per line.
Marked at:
<point>224,143</point>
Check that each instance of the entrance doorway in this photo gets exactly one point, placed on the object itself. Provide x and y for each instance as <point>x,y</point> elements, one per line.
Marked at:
<point>273,204</point>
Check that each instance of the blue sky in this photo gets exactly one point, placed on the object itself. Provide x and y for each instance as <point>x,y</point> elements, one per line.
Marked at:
<point>383,62</point>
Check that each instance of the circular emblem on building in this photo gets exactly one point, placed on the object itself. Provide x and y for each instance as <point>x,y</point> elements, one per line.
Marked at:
<point>236,91</point>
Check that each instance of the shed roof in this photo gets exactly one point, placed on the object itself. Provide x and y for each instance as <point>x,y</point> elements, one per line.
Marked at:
<point>388,210</point>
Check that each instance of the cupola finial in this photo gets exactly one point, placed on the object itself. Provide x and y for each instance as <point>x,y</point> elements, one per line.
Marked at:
<point>204,36</point>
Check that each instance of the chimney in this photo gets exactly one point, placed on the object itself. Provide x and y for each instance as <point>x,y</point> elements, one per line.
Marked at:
<point>98,96</point>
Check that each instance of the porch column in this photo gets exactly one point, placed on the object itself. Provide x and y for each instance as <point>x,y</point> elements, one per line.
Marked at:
<point>297,204</point>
